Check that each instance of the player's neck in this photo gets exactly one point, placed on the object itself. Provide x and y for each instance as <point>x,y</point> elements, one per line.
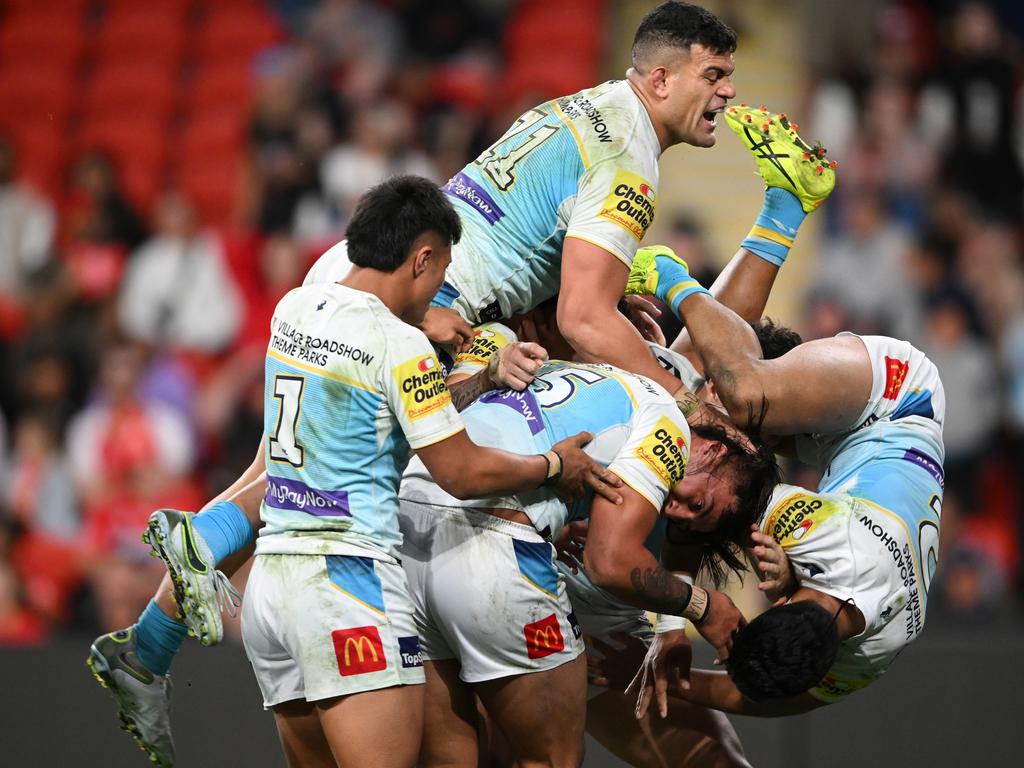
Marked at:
<point>389,287</point>
<point>664,138</point>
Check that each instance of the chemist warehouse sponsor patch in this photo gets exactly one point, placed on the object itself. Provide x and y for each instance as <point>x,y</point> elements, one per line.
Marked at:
<point>630,204</point>
<point>664,451</point>
<point>793,518</point>
<point>421,383</point>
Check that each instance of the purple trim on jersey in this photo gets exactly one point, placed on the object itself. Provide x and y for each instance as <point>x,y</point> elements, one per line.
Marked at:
<point>523,403</point>
<point>298,497</point>
<point>464,188</point>
<point>927,463</point>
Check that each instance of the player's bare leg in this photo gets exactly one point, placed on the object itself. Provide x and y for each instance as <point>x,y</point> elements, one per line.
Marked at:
<point>382,728</point>
<point>690,736</point>
<point>449,719</point>
<point>302,737</point>
<point>542,714</point>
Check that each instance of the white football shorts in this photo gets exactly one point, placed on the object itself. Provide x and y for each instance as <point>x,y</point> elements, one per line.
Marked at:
<point>319,626</point>
<point>486,592</point>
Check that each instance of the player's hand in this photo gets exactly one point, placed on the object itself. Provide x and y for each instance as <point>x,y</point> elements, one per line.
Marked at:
<point>667,664</point>
<point>569,544</point>
<point>515,365</point>
<point>721,623</point>
<point>446,326</point>
<point>580,472</point>
<point>611,663</point>
<point>778,580</point>
<point>642,313</point>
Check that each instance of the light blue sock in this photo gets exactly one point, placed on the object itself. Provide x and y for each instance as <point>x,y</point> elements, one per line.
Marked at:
<point>674,283</point>
<point>158,638</point>
<point>224,528</point>
<point>775,229</point>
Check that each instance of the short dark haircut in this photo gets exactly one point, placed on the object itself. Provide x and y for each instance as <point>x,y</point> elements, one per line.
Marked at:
<point>776,340</point>
<point>784,651</point>
<point>680,25</point>
<point>390,217</point>
<point>756,473</point>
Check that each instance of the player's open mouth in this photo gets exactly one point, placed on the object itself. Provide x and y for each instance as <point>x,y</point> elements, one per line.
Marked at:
<point>709,118</point>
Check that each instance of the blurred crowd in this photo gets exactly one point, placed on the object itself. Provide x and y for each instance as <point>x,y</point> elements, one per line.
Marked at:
<point>133,336</point>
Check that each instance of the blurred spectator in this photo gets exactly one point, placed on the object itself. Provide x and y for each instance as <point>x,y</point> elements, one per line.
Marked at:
<point>177,291</point>
<point>863,266</point>
<point>39,491</point>
<point>381,147</point>
<point>18,625</point>
<point>971,104</point>
<point>967,365</point>
<point>27,225</point>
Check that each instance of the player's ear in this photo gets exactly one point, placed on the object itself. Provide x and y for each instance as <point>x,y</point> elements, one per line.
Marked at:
<point>421,259</point>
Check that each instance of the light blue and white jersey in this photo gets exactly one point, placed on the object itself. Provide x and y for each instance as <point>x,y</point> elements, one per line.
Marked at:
<point>901,421</point>
<point>639,434</point>
<point>584,166</point>
<point>349,389</point>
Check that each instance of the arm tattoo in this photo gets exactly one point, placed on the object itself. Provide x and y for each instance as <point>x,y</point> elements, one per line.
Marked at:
<point>466,391</point>
<point>660,590</point>
<point>688,403</point>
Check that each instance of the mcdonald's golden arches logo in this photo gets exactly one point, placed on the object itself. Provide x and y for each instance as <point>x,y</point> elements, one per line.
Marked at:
<point>359,650</point>
<point>543,637</point>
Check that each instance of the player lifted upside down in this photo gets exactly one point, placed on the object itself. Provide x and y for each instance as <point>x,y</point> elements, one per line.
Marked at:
<point>868,412</point>
<point>328,618</point>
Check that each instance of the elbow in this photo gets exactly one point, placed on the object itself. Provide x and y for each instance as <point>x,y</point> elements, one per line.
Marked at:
<point>746,402</point>
<point>601,567</point>
<point>579,326</point>
<point>456,486</point>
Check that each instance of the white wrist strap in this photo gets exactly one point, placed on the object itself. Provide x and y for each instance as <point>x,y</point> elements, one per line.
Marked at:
<point>667,622</point>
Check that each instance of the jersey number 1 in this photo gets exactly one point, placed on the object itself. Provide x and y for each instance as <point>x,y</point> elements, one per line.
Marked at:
<point>283,445</point>
<point>500,168</point>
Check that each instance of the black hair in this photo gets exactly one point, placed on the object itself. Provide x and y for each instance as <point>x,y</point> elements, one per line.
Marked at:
<point>390,217</point>
<point>680,25</point>
<point>756,473</point>
<point>776,340</point>
<point>784,651</point>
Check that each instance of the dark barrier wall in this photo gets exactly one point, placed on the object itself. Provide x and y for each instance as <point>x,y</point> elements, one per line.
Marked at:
<point>952,699</point>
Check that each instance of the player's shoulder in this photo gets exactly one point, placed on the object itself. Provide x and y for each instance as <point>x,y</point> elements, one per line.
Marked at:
<point>331,266</point>
<point>611,124</point>
<point>794,513</point>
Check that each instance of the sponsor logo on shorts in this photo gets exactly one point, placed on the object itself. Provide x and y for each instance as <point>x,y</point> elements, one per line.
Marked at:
<point>523,403</point>
<point>486,344</point>
<point>895,375</point>
<point>836,687</point>
<point>409,648</point>
<point>467,190</point>
<point>664,450</point>
<point>359,650</point>
<point>630,204</point>
<point>793,518</point>
<point>299,497</point>
<point>421,384</point>
<point>543,637</point>
<point>574,624</point>
<point>928,464</point>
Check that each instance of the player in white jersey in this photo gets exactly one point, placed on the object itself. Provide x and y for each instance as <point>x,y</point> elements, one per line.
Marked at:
<point>351,387</point>
<point>561,201</point>
<point>868,411</point>
<point>512,637</point>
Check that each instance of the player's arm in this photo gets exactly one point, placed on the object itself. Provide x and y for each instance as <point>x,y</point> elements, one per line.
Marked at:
<point>716,690</point>
<point>819,386</point>
<point>512,367</point>
<point>470,471</point>
<point>616,560</point>
<point>592,283</point>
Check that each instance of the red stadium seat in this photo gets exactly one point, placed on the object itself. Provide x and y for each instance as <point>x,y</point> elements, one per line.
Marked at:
<point>131,90</point>
<point>139,140</point>
<point>149,34</point>
<point>544,30</point>
<point>39,151</point>
<point>47,39</point>
<point>213,186</point>
<point>211,134</point>
<point>65,7</point>
<point>225,86</point>
<point>36,93</point>
<point>236,34</point>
